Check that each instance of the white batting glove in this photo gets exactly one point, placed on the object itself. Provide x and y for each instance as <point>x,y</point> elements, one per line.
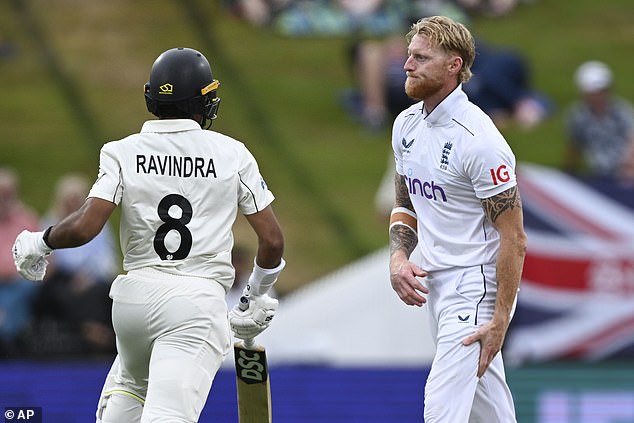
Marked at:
<point>247,322</point>
<point>29,255</point>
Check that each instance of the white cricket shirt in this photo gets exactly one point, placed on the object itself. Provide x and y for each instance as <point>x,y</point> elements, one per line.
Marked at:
<point>452,158</point>
<point>180,188</point>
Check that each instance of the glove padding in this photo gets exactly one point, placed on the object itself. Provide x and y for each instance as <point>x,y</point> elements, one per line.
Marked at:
<point>29,255</point>
<point>249,323</point>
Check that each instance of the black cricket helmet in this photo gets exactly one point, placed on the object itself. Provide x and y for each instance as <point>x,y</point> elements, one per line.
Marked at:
<point>181,85</point>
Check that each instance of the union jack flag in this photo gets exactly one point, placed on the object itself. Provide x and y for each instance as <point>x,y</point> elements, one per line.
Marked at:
<point>576,298</point>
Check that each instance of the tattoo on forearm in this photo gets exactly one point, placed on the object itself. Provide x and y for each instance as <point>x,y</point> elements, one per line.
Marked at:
<point>402,194</point>
<point>498,204</point>
<point>402,238</point>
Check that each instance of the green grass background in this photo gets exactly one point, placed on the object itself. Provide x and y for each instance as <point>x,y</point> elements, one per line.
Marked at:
<point>77,82</point>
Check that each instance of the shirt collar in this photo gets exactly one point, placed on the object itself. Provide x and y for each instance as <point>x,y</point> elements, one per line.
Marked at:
<point>444,111</point>
<point>170,125</point>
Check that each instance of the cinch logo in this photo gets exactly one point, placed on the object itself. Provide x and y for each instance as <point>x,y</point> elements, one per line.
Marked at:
<point>166,89</point>
<point>429,190</point>
<point>500,175</point>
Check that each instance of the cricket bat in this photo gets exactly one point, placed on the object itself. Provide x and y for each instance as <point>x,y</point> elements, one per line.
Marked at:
<point>252,381</point>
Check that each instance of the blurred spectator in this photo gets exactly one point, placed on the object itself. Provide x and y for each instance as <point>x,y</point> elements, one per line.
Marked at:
<point>242,261</point>
<point>366,22</point>
<point>378,77</point>
<point>491,8</point>
<point>599,126</point>
<point>258,12</point>
<point>502,88</point>
<point>16,294</point>
<point>360,18</point>
<point>73,308</point>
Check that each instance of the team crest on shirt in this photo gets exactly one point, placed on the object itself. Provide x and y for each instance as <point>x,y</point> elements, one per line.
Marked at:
<point>444,157</point>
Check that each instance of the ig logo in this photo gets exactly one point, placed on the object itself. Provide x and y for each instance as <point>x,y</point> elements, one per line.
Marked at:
<point>500,175</point>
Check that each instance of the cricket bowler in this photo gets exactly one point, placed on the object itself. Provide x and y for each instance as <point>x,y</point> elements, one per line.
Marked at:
<point>457,201</point>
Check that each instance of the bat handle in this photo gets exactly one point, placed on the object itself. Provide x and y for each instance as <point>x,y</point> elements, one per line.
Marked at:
<point>244,305</point>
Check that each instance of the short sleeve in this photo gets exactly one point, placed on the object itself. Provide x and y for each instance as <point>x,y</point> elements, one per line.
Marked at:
<point>108,185</point>
<point>253,193</point>
<point>397,145</point>
<point>490,165</point>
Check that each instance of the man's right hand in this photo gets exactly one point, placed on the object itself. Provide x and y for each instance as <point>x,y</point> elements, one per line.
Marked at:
<point>249,322</point>
<point>403,275</point>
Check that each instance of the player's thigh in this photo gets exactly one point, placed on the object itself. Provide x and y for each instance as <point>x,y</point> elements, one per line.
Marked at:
<point>132,325</point>
<point>451,384</point>
<point>493,401</point>
<point>452,381</point>
<point>185,359</point>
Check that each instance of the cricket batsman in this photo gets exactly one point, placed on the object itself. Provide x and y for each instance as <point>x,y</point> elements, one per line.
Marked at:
<point>180,187</point>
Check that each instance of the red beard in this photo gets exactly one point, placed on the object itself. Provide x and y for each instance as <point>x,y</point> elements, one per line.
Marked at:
<point>420,89</point>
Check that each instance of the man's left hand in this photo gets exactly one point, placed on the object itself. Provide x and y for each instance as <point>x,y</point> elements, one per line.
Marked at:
<point>491,337</point>
<point>29,255</point>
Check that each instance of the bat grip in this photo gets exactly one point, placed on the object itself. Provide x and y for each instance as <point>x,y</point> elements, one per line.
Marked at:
<point>244,305</point>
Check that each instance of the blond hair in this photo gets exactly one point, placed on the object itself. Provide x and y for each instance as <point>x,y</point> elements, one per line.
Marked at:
<point>450,36</point>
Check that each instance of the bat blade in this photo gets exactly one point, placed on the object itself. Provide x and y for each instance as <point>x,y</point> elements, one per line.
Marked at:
<point>253,384</point>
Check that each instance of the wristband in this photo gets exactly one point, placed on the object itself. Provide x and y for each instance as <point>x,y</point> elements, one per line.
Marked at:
<point>404,216</point>
<point>261,279</point>
<point>405,210</point>
<point>45,237</point>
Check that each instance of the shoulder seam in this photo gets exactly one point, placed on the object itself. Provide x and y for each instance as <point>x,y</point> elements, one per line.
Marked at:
<point>465,128</point>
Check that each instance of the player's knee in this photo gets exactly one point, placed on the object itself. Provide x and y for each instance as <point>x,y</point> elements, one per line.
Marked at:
<point>116,407</point>
<point>179,400</point>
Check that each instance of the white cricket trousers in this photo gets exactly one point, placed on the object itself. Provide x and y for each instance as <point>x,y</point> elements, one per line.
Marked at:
<point>460,301</point>
<point>172,335</point>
